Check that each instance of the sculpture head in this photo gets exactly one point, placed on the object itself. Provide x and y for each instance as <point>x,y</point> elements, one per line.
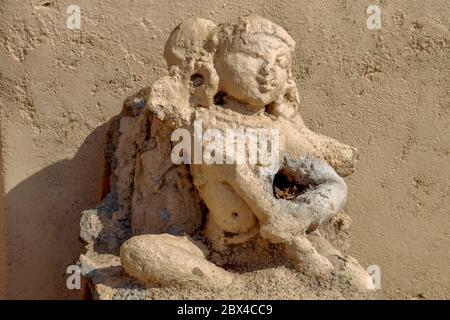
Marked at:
<point>249,61</point>
<point>253,60</point>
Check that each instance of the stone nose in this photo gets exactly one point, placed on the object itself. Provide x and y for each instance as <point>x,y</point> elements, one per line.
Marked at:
<point>266,68</point>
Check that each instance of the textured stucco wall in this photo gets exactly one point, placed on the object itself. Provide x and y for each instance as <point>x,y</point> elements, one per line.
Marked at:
<point>386,92</point>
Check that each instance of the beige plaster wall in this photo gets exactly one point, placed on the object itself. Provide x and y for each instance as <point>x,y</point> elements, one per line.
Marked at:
<point>386,92</point>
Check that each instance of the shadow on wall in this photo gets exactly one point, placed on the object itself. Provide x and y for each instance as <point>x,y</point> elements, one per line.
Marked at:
<point>42,222</point>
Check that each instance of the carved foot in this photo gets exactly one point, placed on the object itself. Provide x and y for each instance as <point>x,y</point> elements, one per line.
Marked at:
<point>344,266</point>
<point>306,257</point>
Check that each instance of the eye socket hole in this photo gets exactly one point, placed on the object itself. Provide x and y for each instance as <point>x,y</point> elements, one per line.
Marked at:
<point>197,80</point>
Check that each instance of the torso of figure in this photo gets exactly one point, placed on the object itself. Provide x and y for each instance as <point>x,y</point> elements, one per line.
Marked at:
<point>230,220</point>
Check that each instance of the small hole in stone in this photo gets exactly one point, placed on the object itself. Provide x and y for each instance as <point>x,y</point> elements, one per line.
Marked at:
<point>197,272</point>
<point>197,80</point>
<point>219,98</point>
<point>229,234</point>
<point>286,185</point>
<point>235,214</point>
<point>313,227</point>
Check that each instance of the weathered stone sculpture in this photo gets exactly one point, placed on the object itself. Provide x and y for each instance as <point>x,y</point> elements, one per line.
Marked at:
<point>211,215</point>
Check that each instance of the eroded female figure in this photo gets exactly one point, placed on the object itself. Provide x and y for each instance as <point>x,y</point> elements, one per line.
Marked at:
<point>238,76</point>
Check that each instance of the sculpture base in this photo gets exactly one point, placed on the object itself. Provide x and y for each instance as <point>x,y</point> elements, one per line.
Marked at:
<point>105,278</point>
<point>110,282</point>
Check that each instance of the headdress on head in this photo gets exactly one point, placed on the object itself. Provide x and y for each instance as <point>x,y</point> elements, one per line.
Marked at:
<point>247,28</point>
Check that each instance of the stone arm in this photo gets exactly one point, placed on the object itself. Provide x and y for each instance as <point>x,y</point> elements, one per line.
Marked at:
<point>282,219</point>
<point>340,156</point>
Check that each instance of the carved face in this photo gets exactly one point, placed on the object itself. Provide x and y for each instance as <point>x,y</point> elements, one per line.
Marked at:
<point>255,71</point>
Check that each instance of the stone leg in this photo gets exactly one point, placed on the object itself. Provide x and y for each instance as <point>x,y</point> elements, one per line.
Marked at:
<point>169,260</point>
<point>305,256</point>
<point>345,267</point>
